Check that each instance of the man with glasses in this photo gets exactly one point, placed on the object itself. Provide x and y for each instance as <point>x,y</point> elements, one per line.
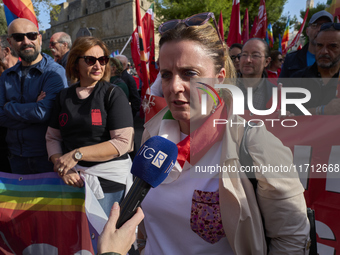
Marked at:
<point>7,55</point>
<point>60,45</point>
<point>235,53</point>
<point>300,59</point>
<point>321,79</point>
<point>27,94</point>
<point>254,59</point>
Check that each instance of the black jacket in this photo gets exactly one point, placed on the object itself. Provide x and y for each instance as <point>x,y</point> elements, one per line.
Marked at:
<point>134,98</point>
<point>294,61</point>
<point>309,78</point>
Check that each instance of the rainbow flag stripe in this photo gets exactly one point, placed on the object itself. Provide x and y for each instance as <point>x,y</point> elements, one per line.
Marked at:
<point>42,209</point>
<point>23,194</point>
<point>285,37</point>
<point>270,35</point>
<point>19,9</point>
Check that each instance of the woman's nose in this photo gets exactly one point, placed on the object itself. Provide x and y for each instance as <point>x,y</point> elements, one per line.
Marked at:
<point>177,85</point>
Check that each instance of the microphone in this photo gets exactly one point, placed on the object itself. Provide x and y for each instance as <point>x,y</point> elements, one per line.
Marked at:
<point>152,164</point>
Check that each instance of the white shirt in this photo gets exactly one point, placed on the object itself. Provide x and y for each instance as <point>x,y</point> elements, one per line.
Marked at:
<point>169,210</point>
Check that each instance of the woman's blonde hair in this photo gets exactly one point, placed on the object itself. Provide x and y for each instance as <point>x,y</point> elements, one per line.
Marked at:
<point>79,47</point>
<point>206,35</point>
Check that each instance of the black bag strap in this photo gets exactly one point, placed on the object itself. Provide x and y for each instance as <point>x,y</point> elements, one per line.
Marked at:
<point>108,96</point>
<point>313,250</point>
<point>62,96</point>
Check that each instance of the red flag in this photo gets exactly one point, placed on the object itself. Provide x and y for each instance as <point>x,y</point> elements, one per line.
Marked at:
<point>234,35</point>
<point>138,52</point>
<point>262,22</point>
<point>253,29</point>
<point>220,26</point>
<point>245,30</point>
<point>300,47</point>
<point>149,29</point>
<point>297,37</point>
<point>148,26</point>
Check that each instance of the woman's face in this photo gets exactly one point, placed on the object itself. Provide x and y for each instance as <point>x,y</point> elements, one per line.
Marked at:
<point>234,52</point>
<point>90,75</point>
<point>279,61</point>
<point>113,70</point>
<point>179,62</point>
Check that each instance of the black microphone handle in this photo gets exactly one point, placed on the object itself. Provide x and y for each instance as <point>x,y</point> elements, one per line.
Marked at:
<point>133,199</point>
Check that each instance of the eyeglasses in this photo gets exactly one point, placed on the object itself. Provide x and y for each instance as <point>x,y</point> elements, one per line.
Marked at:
<point>252,56</point>
<point>233,58</point>
<point>315,25</point>
<point>89,60</point>
<point>330,24</point>
<point>19,37</point>
<point>194,20</point>
<point>52,44</point>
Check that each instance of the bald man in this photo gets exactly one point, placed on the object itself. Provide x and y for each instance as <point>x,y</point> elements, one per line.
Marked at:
<point>60,45</point>
<point>27,95</point>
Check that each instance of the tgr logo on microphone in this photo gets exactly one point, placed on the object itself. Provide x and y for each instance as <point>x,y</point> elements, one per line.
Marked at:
<point>159,159</point>
<point>149,153</point>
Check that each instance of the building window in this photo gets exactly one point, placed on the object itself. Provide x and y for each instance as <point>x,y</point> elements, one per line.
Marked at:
<point>141,2</point>
<point>86,11</point>
<point>107,4</point>
<point>68,17</point>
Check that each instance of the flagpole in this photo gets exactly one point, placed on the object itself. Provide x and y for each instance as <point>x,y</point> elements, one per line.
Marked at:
<point>125,45</point>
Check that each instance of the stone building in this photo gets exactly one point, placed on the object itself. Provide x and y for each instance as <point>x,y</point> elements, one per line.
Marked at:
<point>113,21</point>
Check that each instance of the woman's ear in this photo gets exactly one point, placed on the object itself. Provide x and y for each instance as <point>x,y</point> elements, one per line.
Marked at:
<point>221,75</point>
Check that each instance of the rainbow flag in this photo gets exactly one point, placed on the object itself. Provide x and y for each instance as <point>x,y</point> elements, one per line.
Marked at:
<point>270,35</point>
<point>285,38</point>
<point>114,53</point>
<point>19,9</point>
<point>40,214</point>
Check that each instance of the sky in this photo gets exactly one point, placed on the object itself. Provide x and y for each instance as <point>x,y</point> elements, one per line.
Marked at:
<point>295,6</point>
<point>292,6</point>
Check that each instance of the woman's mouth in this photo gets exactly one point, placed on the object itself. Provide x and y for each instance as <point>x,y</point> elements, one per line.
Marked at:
<point>177,102</point>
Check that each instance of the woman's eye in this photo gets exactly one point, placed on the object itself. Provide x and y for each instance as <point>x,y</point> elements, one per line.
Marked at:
<point>165,75</point>
<point>190,73</point>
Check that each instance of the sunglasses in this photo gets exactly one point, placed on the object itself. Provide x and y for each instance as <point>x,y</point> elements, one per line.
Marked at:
<point>52,44</point>
<point>330,24</point>
<point>19,37</point>
<point>89,60</point>
<point>235,57</point>
<point>194,20</point>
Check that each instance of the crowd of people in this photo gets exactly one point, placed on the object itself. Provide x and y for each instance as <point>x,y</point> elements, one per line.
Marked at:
<point>73,114</point>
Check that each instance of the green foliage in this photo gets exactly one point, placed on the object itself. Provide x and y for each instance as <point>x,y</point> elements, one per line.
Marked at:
<point>48,52</point>
<point>319,7</point>
<point>279,28</point>
<point>3,23</point>
<point>180,9</point>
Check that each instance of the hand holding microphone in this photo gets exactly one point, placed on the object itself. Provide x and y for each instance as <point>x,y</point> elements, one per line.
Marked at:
<point>152,164</point>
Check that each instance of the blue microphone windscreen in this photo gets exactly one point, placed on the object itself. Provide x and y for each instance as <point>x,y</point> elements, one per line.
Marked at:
<point>155,160</point>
